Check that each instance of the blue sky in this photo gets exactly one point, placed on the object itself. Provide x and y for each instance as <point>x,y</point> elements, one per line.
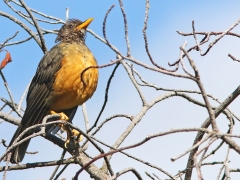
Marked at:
<point>219,75</point>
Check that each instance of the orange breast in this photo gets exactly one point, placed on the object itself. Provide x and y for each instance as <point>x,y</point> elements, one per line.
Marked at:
<point>68,88</point>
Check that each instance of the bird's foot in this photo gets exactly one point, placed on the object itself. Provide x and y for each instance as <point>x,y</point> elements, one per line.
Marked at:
<point>62,117</point>
<point>61,114</point>
<point>71,133</point>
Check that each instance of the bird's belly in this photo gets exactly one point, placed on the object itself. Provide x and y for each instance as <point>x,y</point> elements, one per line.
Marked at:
<point>69,99</point>
<point>69,89</point>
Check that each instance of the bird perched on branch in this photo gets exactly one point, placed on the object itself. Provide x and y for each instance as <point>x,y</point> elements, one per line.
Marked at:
<point>63,81</point>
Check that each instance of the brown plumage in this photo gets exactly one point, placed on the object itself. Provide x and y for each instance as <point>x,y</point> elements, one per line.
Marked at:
<point>57,84</point>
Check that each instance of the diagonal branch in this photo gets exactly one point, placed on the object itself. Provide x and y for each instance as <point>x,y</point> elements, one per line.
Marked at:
<point>206,123</point>
<point>43,45</point>
<point>29,31</point>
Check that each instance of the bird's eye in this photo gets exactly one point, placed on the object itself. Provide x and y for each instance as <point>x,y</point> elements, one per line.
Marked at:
<point>70,26</point>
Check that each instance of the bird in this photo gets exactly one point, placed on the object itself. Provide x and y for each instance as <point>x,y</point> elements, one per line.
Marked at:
<point>63,81</point>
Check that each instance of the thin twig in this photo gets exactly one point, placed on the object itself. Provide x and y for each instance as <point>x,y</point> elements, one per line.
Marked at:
<point>28,30</point>
<point>67,14</point>
<point>17,141</point>
<point>9,119</point>
<point>156,176</point>
<point>39,164</point>
<point>43,45</point>
<point>193,147</point>
<point>233,58</point>
<point>60,172</point>
<point>220,172</point>
<point>9,93</point>
<point>57,167</point>
<point>149,175</point>
<point>138,159</point>
<point>204,94</point>
<point>87,125</point>
<point>8,39</point>
<point>226,172</point>
<point>105,99</point>
<point>130,74</point>
<point>147,6</point>
<point>214,151</point>
<point>182,63</point>
<point>198,167</point>
<point>6,167</point>
<point>24,94</point>
<point>206,123</point>
<point>40,13</point>
<point>111,152</point>
<point>108,119</point>
<point>123,172</point>
<point>195,37</point>
<point>125,27</point>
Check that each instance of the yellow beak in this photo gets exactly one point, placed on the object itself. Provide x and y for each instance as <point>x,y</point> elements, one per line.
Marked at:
<point>84,25</point>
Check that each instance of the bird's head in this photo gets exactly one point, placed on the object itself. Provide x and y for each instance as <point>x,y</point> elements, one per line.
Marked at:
<point>73,30</point>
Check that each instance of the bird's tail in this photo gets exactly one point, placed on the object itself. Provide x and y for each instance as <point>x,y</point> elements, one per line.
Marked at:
<point>18,153</point>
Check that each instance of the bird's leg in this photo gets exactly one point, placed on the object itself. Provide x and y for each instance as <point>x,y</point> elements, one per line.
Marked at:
<point>62,115</point>
<point>70,132</point>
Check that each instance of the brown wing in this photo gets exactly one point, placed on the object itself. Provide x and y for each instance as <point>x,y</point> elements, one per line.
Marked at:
<point>39,91</point>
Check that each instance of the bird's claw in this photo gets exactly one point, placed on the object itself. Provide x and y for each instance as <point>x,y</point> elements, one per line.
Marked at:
<point>71,133</point>
<point>61,114</point>
<point>74,134</point>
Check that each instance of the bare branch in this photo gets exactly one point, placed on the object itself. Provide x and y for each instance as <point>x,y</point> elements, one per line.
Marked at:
<point>149,175</point>
<point>57,167</point>
<point>86,120</point>
<point>137,159</point>
<point>41,14</point>
<point>17,142</point>
<point>39,164</point>
<point>67,14</point>
<point>204,94</point>
<point>106,97</point>
<point>6,167</point>
<point>136,144</point>
<point>226,172</point>
<point>223,34</point>
<point>130,74</point>
<point>193,147</point>
<point>146,40</point>
<point>220,172</point>
<point>29,31</point>
<point>125,171</point>
<point>194,35</point>
<point>9,119</point>
<point>213,151</point>
<point>209,33</point>
<point>9,93</point>
<point>198,168</point>
<point>43,45</point>
<point>125,28</point>
<point>206,123</point>
<point>60,172</point>
<point>3,141</point>
<point>233,58</point>
<point>156,176</point>
<point>8,39</point>
<point>8,103</point>
<point>110,118</point>
<point>24,94</point>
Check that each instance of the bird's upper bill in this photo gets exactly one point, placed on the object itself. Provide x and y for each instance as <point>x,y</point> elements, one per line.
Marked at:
<point>83,25</point>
